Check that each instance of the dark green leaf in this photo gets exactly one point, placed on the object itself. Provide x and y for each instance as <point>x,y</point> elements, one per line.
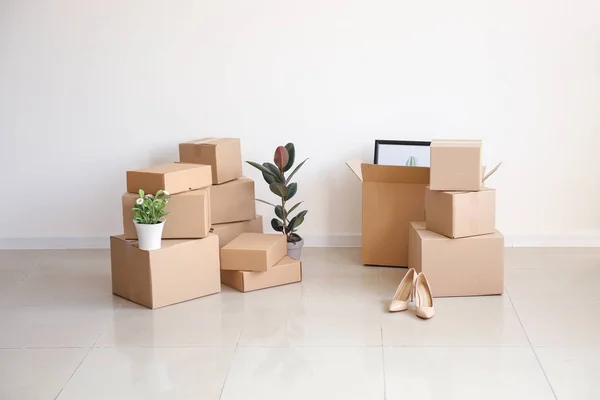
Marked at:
<point>279,211</point>
<point>291,190</point>
<point>266,202</point>
<point>301,214</point>
<point>273,168</point>
<point>292,222</point>
<point>297,222</point>
<point>279,189</point>
<point>294,207</point>
<point>276,225</point>
<point>289,178</point>
<point>294,238</point>
<point>261,168</point>
<point>291,156</point>
<point>269,178</point>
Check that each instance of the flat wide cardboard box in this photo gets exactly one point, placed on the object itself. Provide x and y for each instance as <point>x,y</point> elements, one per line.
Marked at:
<point>392,196</point>
<point>181,270</point>
<point>233,201</point>
<point>285,271</point>
<point>223,155</point>
<point>472,266</point>
<point>461,214</point>
<point>228,232</point>
<point>253,252</point>
<point>456,165</point>
<point>173,177</point>
<point>189,215</point>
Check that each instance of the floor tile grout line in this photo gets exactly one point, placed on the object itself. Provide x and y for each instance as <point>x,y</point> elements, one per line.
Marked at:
<point>76,369</point>
<point>382,358</point>
<point>531,345</point>
<point>231,363</point>
<point>227,374</point>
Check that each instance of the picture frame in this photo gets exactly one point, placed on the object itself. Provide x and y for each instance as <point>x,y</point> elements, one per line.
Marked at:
<point>402,153</point>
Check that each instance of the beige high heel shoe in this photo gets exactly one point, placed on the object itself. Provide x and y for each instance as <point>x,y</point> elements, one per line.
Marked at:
<point>404,293</point>
<point>423,298</point>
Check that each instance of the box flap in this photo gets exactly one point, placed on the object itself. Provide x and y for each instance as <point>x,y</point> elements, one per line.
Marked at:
<point>354,166</point>
<point>491,172</point>
<point>394,174</point>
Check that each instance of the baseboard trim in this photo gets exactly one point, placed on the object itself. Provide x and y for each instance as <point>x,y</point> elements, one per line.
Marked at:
<point>567,240</point>
<point>54,243</point>
<point>351,240</point>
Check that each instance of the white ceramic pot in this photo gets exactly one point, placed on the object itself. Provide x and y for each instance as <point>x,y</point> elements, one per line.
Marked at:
<point>149,235</point>
<point>295,249</point>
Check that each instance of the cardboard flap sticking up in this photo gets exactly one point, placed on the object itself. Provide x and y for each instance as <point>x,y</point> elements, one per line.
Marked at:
<point>394,174</point>
<point>354,166</point>
<point>491,172</point>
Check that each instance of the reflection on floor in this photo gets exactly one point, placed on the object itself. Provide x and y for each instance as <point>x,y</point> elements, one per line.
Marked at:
<point>63,335</point>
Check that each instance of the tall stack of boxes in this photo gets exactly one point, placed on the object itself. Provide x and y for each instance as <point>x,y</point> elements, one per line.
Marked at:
<point>232,205</point>
<point>458,246</point>
<point>212,206</point>
<point>250,259</point>
<point>175,272</point>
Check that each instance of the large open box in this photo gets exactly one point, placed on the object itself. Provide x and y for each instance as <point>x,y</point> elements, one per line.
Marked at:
<point>392,196</point>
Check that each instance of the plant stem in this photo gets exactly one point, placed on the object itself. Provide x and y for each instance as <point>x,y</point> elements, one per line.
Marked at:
<point>283,212</point>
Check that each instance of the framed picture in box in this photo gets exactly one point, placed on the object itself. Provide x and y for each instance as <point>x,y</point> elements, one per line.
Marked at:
<point>402,152</point>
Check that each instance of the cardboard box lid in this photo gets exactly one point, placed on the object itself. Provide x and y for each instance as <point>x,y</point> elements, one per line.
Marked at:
<point>388,173</point>
<point>169,168</point>
<point>455,143</point>
<point>165,243</point>
<point>428,235</point>
<point>465,192</point>
<point>212,141</point>
<point>254,241</point>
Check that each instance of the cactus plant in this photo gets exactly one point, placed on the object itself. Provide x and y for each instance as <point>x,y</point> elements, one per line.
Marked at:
<point>280,185</point>
<point>411,161</point>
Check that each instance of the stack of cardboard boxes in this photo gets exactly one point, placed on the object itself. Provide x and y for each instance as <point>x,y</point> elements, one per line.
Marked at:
<point>211,204</point>
<point>458,246</point>
<point>232,206</point>
<point>257,261</point>
<point>174,273</point>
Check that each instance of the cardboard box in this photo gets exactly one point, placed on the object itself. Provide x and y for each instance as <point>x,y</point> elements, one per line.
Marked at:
<point>285,271</point>
<point>223,155</point>
<point>181,270</point>
<point>173,177</point>
<point>456,165</point>
<point>392,196</point>
<point>472,266</point>
<point>233,201</point>
<point>189,215</point>
<point>228,232</point>
<point>253,252</point>
<point>461,214</point>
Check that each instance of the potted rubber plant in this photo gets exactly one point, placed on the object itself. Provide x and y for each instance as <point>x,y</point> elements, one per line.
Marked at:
<point>149,218</point>
<point>282,186</point>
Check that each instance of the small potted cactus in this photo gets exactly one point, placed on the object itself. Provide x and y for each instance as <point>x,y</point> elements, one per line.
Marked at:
<point>280,185</point>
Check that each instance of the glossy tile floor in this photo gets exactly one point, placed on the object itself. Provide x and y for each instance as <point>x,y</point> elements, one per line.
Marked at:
<point>64,336</point>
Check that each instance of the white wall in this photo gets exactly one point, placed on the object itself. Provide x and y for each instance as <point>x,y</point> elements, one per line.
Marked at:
<point>89,89</point>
